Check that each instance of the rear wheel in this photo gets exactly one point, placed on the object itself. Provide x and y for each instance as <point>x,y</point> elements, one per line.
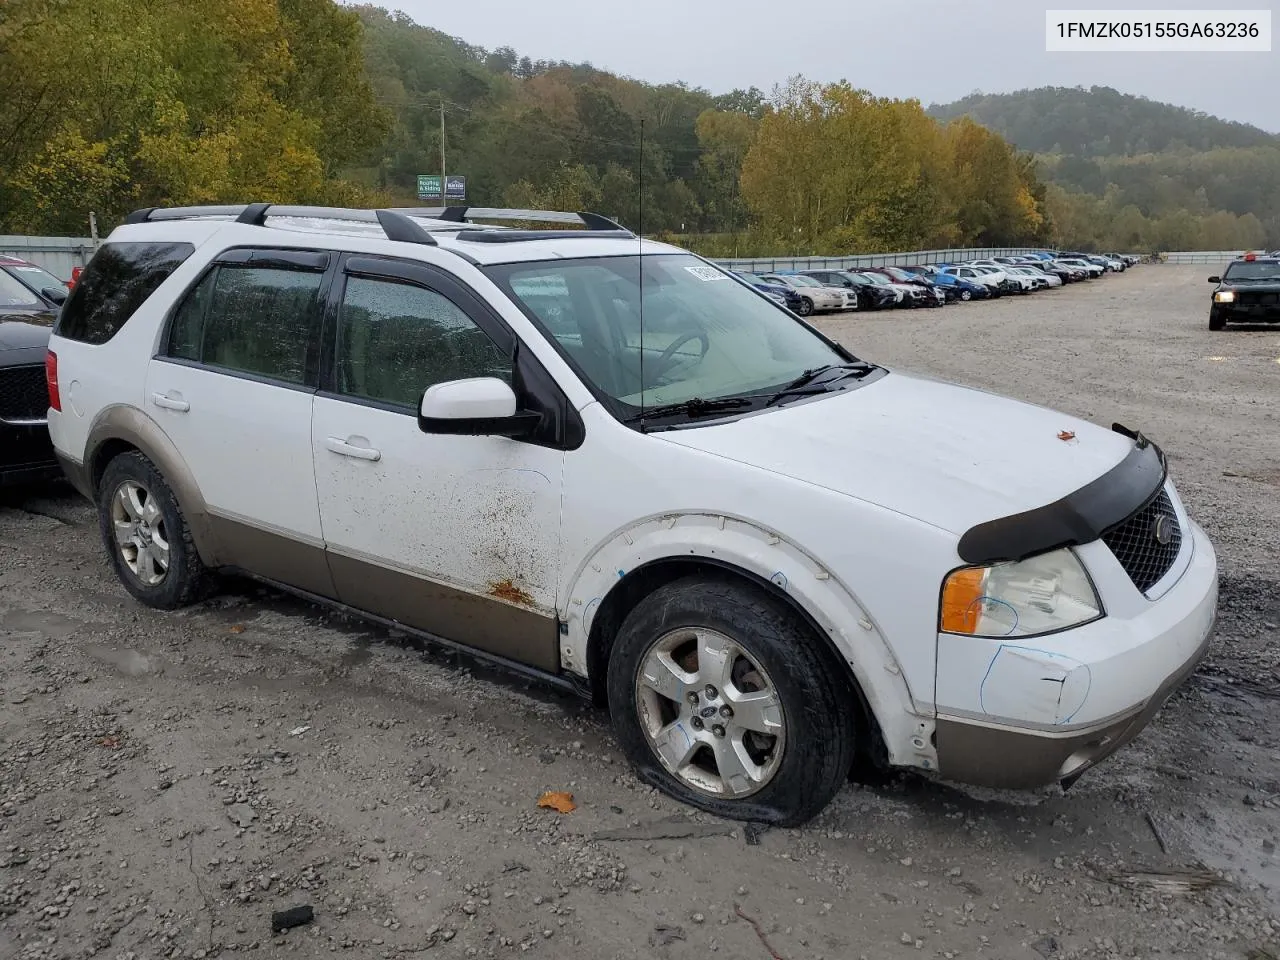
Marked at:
<point>722,698</point>
<point>146,536</point>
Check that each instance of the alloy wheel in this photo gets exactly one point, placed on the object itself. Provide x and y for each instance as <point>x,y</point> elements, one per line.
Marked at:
<point>710,713</point>
<point>140,536</point>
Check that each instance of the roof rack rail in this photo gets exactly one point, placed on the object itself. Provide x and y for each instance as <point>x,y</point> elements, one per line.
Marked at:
<point>592,221</point>
<point>395,224</point>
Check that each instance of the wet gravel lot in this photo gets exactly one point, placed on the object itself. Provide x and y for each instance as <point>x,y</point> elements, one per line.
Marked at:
<point>168,781</point>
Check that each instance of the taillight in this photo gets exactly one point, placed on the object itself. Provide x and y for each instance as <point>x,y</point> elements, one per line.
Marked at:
<point>51,380</point>
<point>75,277</point>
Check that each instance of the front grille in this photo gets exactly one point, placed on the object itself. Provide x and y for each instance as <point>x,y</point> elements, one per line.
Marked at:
<point>1267,299</point>
<point>1136,542</point>
<point>24,394</point>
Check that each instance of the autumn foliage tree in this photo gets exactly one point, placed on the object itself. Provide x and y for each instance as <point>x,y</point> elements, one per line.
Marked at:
<point>113,104</point>
<point>833,168</point>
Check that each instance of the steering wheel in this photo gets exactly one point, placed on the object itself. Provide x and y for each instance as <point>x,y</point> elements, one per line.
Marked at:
<point>667,358</point>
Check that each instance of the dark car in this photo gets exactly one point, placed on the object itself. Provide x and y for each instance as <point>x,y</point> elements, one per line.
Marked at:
<point>1247,292</point>
<point>870,296</point>
<point>934,295</point>
<point>961,289</point>
<point>778,291</point>
<point>28,286</point>
<point>26,452</point>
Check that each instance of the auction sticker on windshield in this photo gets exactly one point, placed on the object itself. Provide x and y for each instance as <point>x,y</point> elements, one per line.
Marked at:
<point>708,273</point>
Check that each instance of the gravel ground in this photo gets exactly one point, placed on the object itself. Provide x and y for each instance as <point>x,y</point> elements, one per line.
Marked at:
<point>167,781</point>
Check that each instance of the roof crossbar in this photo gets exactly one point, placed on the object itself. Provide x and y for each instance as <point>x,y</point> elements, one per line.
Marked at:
<point>592,221</point>
<point>395,224</point>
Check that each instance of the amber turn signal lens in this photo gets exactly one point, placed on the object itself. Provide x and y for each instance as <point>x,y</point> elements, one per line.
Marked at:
<point>961,596</point>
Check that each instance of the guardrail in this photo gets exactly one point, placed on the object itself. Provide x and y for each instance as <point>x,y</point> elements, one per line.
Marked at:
<point>862,261</point>
<point>1203,256</point>
<point>59,255</point>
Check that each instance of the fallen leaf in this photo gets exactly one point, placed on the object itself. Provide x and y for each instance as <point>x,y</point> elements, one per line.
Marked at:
<point>558,800</point>
<point>238,628</point>
<point>111,742</point>
<point>1066,435</point>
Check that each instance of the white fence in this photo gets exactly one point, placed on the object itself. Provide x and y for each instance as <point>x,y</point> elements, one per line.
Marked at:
<point>59,255</point>
<point>1203,256</point>
<point>907,259</point>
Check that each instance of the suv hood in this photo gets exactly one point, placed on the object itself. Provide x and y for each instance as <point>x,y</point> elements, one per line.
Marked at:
<point>950,456</point>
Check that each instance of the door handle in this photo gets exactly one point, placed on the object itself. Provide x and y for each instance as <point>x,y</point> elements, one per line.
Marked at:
<point>170,403</point>
<point>344,449</point>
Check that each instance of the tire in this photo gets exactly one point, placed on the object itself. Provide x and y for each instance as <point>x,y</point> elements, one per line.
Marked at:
<point>966,295</point>
<point>183,578</point>
<point>1216,320</point>
<point>806,307</point>
<point>791,779</point>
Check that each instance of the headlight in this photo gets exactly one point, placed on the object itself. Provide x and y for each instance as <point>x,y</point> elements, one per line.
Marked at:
<point>1224,296</point>
<point>1024,599</point>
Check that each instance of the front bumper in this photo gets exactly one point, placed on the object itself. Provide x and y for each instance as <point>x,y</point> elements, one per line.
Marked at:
<point>1249,312</point>
<point>26,454</point>
<point>1091,689</point>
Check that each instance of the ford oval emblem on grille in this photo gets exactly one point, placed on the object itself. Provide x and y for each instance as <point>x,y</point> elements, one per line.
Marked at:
<point>1162,530</point>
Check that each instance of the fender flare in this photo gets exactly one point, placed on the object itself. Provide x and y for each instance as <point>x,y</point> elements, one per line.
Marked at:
<point>129,425</point>
<point>738,544</point>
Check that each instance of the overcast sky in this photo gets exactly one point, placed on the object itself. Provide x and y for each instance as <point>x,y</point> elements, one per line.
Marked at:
<point>934,50</point>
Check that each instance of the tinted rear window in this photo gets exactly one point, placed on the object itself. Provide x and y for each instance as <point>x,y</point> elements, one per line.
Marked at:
<point>117,281</point>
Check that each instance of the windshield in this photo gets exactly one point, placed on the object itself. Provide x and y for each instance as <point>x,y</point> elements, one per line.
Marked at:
<point>802,281</point>
<point>704,335</point>
<point>14,294</point>
<point>877,278</point>
<point>36,277</point>
<point>1252,270</point>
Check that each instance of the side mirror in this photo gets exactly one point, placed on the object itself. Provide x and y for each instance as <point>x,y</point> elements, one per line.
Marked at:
<point>1215,279</point>
<point>54,295</point>
<point>480,406</point>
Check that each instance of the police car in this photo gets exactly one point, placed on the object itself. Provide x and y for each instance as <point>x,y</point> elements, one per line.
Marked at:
<point>1247,292</point>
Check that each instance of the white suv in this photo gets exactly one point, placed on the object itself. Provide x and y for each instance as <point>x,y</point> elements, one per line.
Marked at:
<point>616,466</point>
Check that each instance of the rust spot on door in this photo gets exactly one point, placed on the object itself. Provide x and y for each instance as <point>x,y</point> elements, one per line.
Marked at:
<point>508,591</point>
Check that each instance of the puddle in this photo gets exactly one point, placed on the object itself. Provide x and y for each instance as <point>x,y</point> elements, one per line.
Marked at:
<point>48,624</point>
<point>131,663</point>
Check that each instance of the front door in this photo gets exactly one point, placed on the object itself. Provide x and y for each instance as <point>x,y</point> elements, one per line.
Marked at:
<point>455,535</point>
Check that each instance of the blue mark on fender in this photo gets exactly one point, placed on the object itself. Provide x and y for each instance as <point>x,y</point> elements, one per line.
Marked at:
<point>621,574</point>
<point>779,579</point>
<point>588,613</point>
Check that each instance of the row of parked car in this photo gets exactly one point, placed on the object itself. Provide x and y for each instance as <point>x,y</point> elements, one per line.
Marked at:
<point>931,285</point>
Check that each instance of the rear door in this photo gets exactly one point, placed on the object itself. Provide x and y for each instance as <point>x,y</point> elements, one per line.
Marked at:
<point>232,385</point>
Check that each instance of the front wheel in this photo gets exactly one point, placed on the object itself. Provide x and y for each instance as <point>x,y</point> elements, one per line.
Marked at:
<point>965,295</point>
<point>806,306</point>
<point>1216,320</point>
<point>722,698</point>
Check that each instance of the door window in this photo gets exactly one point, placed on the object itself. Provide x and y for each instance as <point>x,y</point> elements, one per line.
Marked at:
<point>397,339</point>
<point>254,320</point>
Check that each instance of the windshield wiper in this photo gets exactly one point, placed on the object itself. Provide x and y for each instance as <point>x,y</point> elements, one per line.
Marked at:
<point>694,407</point>
<point>797,387</point>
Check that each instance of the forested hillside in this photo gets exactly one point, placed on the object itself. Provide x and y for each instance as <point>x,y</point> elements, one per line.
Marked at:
<point>1129,172</point>
<point>111,105</point>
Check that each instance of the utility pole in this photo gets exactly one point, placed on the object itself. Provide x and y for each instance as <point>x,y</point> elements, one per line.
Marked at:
<point>443,192</point>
